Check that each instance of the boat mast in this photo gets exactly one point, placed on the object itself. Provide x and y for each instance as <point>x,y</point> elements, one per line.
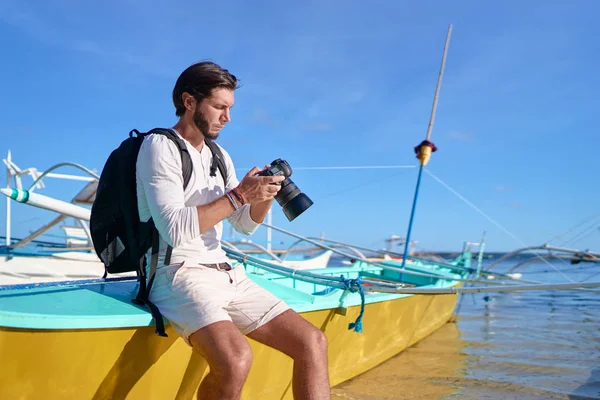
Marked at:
<point>426,147</point>
<point>8,201</point>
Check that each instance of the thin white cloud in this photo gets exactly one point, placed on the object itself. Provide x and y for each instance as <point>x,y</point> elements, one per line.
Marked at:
<point>319,127</point>
<point>460,136</point>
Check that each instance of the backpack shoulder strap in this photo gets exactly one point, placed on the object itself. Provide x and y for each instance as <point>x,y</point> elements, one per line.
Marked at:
<point>186,167</point>
<point>186,159</point>
<point>218,160</point>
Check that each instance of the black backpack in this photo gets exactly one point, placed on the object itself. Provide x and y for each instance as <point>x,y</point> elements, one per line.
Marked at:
<point>120,240</point>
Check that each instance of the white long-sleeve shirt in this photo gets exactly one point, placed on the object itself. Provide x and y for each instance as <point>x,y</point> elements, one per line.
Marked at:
<point>161,197</point>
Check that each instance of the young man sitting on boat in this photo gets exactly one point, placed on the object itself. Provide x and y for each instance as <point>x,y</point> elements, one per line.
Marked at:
<point>211,305</point>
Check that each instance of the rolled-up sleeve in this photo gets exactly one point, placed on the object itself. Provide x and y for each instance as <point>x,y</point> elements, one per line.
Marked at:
<point>240,219</point>
<point>159,172</point>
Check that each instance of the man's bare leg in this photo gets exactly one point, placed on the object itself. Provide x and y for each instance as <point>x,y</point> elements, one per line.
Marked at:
<point>307,346</point>
<point>229,357</point>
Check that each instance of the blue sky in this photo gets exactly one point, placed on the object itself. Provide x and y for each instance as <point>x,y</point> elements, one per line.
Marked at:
<point>332,83</point>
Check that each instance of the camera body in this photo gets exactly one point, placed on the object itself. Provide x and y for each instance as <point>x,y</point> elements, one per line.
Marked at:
<point>289,197</point>
<point>278,167</point>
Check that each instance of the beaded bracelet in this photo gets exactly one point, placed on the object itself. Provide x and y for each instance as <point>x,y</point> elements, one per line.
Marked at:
<point>233,202</point>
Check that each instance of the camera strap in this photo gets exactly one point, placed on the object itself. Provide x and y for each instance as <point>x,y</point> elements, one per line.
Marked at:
<point>217,160</point>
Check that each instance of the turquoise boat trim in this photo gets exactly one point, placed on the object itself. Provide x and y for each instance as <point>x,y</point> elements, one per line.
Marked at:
<point>15,195</point>
<point>286,271</point>
<point>106,303</point>
<point>73,307</point>
<point>99,306</point>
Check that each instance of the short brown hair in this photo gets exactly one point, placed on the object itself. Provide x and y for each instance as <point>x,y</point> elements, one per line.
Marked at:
<point>199,80</point>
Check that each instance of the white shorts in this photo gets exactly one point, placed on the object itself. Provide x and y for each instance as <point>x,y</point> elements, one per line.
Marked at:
<point>192,296</point>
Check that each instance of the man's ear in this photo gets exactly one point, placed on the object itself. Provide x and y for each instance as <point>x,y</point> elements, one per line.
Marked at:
<point>189,101</point>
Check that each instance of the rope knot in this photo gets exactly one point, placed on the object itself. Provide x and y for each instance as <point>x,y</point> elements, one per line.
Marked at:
<point>353,286</point>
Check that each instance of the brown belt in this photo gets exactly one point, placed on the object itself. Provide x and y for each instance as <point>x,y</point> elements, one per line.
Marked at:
<point>220,266</point>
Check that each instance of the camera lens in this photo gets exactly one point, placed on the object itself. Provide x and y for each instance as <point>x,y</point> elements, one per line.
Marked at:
<point>296,206</point>
<point>292,200</point>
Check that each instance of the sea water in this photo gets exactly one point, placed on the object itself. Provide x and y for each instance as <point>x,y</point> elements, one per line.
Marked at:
<point>519,345</point>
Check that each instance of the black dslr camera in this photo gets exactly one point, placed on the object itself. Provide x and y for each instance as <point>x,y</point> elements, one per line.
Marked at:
<point>289,197</point>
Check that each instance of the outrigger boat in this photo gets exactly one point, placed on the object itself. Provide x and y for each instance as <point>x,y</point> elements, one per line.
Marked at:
<point>86,339</point>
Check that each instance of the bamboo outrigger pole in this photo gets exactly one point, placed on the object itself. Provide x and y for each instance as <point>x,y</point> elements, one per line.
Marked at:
<point>426,147</point>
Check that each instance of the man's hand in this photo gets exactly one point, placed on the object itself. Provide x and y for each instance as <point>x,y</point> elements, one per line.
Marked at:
<point>256,189</point>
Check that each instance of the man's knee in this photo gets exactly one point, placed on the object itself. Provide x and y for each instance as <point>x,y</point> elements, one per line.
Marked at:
<point>240,362</point>
<point>234,363</point>
<point>314,343</point>
<point>318,340</point>
<point>226,350</point>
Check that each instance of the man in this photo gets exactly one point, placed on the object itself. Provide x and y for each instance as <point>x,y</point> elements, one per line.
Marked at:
<point>209,304</point>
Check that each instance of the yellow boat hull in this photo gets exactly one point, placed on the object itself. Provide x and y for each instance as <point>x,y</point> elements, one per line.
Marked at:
<point>137,364</point>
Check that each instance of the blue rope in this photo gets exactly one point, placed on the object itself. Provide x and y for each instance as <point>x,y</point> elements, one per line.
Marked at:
<point>325,291</point>
<point>355,285</point>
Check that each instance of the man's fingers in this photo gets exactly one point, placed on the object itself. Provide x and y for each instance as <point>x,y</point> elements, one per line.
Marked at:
<point>253,171</point>
<point>272,179</point>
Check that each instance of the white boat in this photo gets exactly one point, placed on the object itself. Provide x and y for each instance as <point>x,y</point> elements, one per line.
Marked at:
<point>40,257</point>
<point>316,262</point>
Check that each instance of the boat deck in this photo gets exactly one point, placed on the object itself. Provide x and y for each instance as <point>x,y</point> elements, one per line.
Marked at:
<point>108,304</point>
